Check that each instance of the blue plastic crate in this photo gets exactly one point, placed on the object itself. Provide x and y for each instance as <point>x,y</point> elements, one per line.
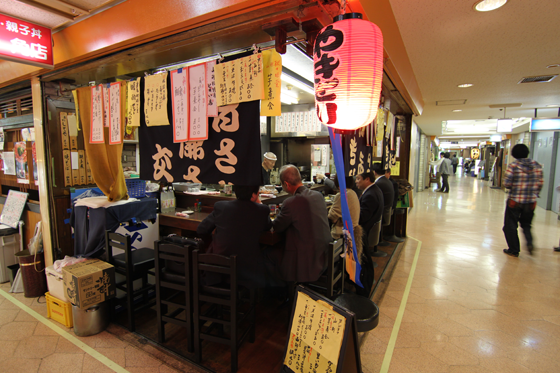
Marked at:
<point>136,188</point>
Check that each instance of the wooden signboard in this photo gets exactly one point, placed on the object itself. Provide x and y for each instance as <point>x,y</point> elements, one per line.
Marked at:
<point>65,140</point>
<point>323,337</point>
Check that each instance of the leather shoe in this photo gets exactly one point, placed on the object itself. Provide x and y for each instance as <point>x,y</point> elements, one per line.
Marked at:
<point>511,253</point>
<point>557,249</point>
<point>530,248</point>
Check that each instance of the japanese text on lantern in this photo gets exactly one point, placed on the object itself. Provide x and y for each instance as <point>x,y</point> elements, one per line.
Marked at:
<point>133,103</point>
<point>155,100</point>
<point>315,337</point>
<point>115,113</point>
<point>96,128</point>
<point>179,97</point>
<point>327,62</point>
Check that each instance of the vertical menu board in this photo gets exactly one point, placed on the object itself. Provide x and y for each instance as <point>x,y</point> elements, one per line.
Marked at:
<point>322,337</point>
<point>198,122</point>
<point>179,98</point>
<point>133,103</point>
<point>155,100</point>
<point>115,132</point>
<point>96,132</point>
<point>240,80</point>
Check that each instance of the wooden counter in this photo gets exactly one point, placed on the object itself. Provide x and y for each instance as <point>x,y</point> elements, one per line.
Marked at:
<point>171,223</point>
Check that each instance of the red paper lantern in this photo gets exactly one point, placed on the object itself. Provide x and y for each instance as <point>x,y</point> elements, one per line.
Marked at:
<point>348,61</point>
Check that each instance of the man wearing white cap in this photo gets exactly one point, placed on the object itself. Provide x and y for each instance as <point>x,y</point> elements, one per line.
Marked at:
<point>268,164</point>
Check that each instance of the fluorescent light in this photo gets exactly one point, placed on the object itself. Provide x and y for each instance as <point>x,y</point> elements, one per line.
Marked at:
<point>456,110</point>
<point>465,85</point>
<point>288,98</point>
<point>488,5</point>
<point>496,138</point>
<point>555,105</point>
<point>297,83</point>
<point>504,126</point>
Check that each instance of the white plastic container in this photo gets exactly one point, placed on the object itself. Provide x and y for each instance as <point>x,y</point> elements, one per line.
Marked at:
<point>9,245</point>
<point>55,284</point>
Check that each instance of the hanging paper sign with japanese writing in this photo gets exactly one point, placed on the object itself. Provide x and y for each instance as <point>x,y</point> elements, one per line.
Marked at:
<point>357,155</point>
<point>272,72</point>
<point>64,139</point>
<point>198,120</point>
<point>133,103</point>
<point>25,42</point>
<point>179,98</point>
<point>72,130</point>
<point>229,154</point>
<point>106,103</point>
<point>115,136</point>
<point>155,100</point>
<point>211,89</point>
<point>96,134</point>
<point>240,80</point>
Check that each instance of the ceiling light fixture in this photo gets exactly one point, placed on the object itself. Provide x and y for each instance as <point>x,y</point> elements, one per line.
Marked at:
<point>466,85</point>
<point>555,105</point>
<point>456,110</point>
<point>553,65</point>
<point>488,5</point>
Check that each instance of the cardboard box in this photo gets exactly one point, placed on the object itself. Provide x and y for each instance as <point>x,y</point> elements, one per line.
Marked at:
<point>90,282</point>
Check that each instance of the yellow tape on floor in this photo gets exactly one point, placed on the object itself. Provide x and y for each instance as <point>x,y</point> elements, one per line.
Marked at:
<point>64,333</point>
<point>396,327</point>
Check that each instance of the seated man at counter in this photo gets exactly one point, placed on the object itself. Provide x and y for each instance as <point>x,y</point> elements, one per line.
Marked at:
<point>269,160</point>
<point>239,225</point>
<point>304,219</point>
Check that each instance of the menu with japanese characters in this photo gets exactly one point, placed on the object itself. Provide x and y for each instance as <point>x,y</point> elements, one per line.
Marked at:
<point>155,100</point>
<point>322,336</point>
<point>115,124</point>
<point>240,80</point>
<point>270,105</point>
<point>96,132</point>
<point>211,89</point>
<point>133,103</point>
<point>198,121</point>
<point>13,208</point>
<point>180,100</point>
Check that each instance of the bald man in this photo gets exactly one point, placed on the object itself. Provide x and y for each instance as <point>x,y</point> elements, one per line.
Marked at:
<point>304,220</point>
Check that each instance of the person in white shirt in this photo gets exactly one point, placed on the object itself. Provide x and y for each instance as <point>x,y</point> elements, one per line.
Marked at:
<point>437,165</point>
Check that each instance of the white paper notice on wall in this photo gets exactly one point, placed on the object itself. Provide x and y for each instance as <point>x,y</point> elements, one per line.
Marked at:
<point>106,99</point>
<point>211,89</point>
<point>75,160</point>
<point>96,130</point>
<point>133,103</point>
<point>379,149</point>
<point>72,125</point>
<point>115,114</point>
<point>155,100</point>
<point>198,122</point>
<point>179,98</point>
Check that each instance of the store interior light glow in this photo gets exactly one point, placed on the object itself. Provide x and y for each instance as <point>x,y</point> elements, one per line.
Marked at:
<point>297,83</point>
<point>348,76</point>
<point>504,125</point>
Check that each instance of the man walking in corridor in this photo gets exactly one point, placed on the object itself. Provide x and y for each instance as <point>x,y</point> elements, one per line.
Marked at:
<point>524,178</point>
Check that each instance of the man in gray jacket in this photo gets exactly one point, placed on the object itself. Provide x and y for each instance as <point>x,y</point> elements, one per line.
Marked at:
<point>304,219</point>
<point>446,168</point>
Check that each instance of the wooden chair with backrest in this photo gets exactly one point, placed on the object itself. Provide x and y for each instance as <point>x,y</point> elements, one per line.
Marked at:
<point>173,259</point>
<point>331,281</point>
<point>133,265</point>
<point>224,312</point>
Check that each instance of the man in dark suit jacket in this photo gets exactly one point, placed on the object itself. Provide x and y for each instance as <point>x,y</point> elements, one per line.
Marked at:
<point>386,188</point>
<point>304,219</point>
<point>371,210</point>
<point>238,226</point>
<point>371,203</point>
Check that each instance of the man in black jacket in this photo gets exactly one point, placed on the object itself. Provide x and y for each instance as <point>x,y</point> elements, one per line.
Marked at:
<point>239,224</point>
<point>386,188</point>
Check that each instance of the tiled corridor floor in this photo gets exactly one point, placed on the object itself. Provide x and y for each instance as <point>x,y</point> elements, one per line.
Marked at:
<point>469,307</point>
<point>455,303</point>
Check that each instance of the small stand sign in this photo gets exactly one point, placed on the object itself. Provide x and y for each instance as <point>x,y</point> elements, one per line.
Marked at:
<point>323,337</point>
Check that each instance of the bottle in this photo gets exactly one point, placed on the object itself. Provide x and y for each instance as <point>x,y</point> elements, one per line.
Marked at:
<point>196,206</point>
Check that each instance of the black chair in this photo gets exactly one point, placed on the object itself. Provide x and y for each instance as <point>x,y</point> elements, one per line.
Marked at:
<point>133,265</point>
<point>173,259</point>
<point>393,237</point>
<point>221,307</point>
<point>331,281</point>
<point>386,221</point>
<point>374,239</point>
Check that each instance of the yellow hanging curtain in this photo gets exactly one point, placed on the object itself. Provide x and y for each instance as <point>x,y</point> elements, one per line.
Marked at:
<point>104,159</point>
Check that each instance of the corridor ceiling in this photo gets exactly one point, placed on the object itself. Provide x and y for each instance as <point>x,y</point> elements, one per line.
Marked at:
<point>449,43</point>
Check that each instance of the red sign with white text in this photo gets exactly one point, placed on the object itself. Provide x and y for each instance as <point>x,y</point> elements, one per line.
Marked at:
<point>25,42</point>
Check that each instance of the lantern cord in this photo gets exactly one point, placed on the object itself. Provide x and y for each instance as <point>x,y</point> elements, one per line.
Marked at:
<point>343,7</point>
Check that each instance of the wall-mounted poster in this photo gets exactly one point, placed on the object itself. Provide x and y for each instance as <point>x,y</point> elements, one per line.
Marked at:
<point>35,173</point>
<point>9,163</point>
<point>20,152</point>
<point>13,208</point>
